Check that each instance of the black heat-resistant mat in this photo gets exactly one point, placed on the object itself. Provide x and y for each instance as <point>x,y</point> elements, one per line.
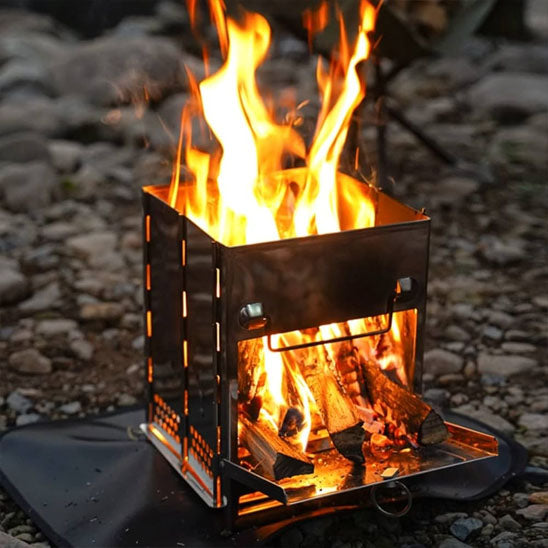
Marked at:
<point>87,483</point>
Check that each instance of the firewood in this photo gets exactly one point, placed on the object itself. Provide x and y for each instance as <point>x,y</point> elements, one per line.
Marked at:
<point>277,458</point>
<point>418,417</point>
<point>337,410</point>
<point>421,422</point>
<point>250,380</point>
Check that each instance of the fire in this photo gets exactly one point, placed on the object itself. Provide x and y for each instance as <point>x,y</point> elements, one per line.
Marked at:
<point>239,192</point>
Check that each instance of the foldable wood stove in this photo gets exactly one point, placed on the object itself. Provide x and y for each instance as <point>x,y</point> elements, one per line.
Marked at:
<point>204,300</point>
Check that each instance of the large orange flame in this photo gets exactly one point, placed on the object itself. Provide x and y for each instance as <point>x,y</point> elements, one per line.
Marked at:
<point>239,193</point>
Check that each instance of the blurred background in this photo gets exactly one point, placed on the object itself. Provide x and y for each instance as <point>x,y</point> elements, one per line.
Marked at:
<point>456,121</point>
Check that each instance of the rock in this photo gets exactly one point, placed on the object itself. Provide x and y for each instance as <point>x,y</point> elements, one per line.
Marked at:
<point>457,333</point>
<point>36,115</point>
<point>520,145</point>
<point>71,408</point>
<point>24,147</point>
<point>58,230</point>
<point>534,421</point>
<point>500,319</point>
<point>449,517</point>
<point>540,497</point>
<point>110,70</point>
<point>106,311</point>
<point>436,397</point>
<point>518,348</point>
<point>465,528</point>
<point>535,512</point>
<point>504,365</point>
<point>59,326</point>
<point>442,362</point>
<point>18,403</point>
<point>483,414</point>
<point>30,362</point>
<point>45,299</point>
<point>454,190</point>
<point>7,541</point>
<point>92,245</point>
<point>22,79</point>
<point>521,499</point>
<point>82,349</point>
<point>504,540</point>
<point>509,96</point>
<point>500,252</point>
<point>516,58</point>
<point>508,523</point>
<point>493,333</point>
<point>66,155</point>
<point>452,543</point>
<point>29,418</point>
<point>28,187</point>
<point>13,285</point>
<point>125,400</point>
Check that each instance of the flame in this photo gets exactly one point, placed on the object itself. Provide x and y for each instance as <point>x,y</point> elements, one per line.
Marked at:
<point>235,186</point>
<point>239,193</point>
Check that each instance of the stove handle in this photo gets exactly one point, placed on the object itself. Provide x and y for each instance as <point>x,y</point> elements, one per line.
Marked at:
<point>388,327</point>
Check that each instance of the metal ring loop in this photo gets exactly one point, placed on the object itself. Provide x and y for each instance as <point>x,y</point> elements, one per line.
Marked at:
<point>392,484</point>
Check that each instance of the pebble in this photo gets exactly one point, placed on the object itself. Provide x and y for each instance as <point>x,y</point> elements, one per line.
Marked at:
<point>510,97</point>
<point>465,528</point>
<point>82,349</point>
<point>92,245</point>
<point>456,333</point>
<point>30,362</point>
<point>451,542</point>
<point>508,523</point>
<point>441,362</point>
<point>518,348</point>
<point>493,333</point>
<point>44,299</point>
<point>125,400</point>
<point>71,408</point>
<point>13,286</point>
<point>29,418</point>
<point>534,421</point>
<point>540,497</point>
<point>482,414</point>
<point>449,517</point>
<point>57,326</point>
<point>28,187</point>
<point>504,365</point>
<point>534,512</point>
<point>106,311</point>
<point>504,539</point>
<point>18,403</point>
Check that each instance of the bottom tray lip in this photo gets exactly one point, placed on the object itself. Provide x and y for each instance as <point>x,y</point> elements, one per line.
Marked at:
<point>455,444</point>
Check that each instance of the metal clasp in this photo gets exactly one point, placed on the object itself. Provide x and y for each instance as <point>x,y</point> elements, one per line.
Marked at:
<point>252,316</point>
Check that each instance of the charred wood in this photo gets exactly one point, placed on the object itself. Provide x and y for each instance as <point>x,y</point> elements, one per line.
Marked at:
<point>277,458</point>
<point>337,410</point>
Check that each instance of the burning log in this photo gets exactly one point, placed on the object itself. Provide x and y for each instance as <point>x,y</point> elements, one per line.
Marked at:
<point>250,380</point>
<point>276,457</point>
<point>404,407</point>
<point>337,411</point>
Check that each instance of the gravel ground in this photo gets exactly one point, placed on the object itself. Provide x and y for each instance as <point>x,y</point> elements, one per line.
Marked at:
<point>76,145</point>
